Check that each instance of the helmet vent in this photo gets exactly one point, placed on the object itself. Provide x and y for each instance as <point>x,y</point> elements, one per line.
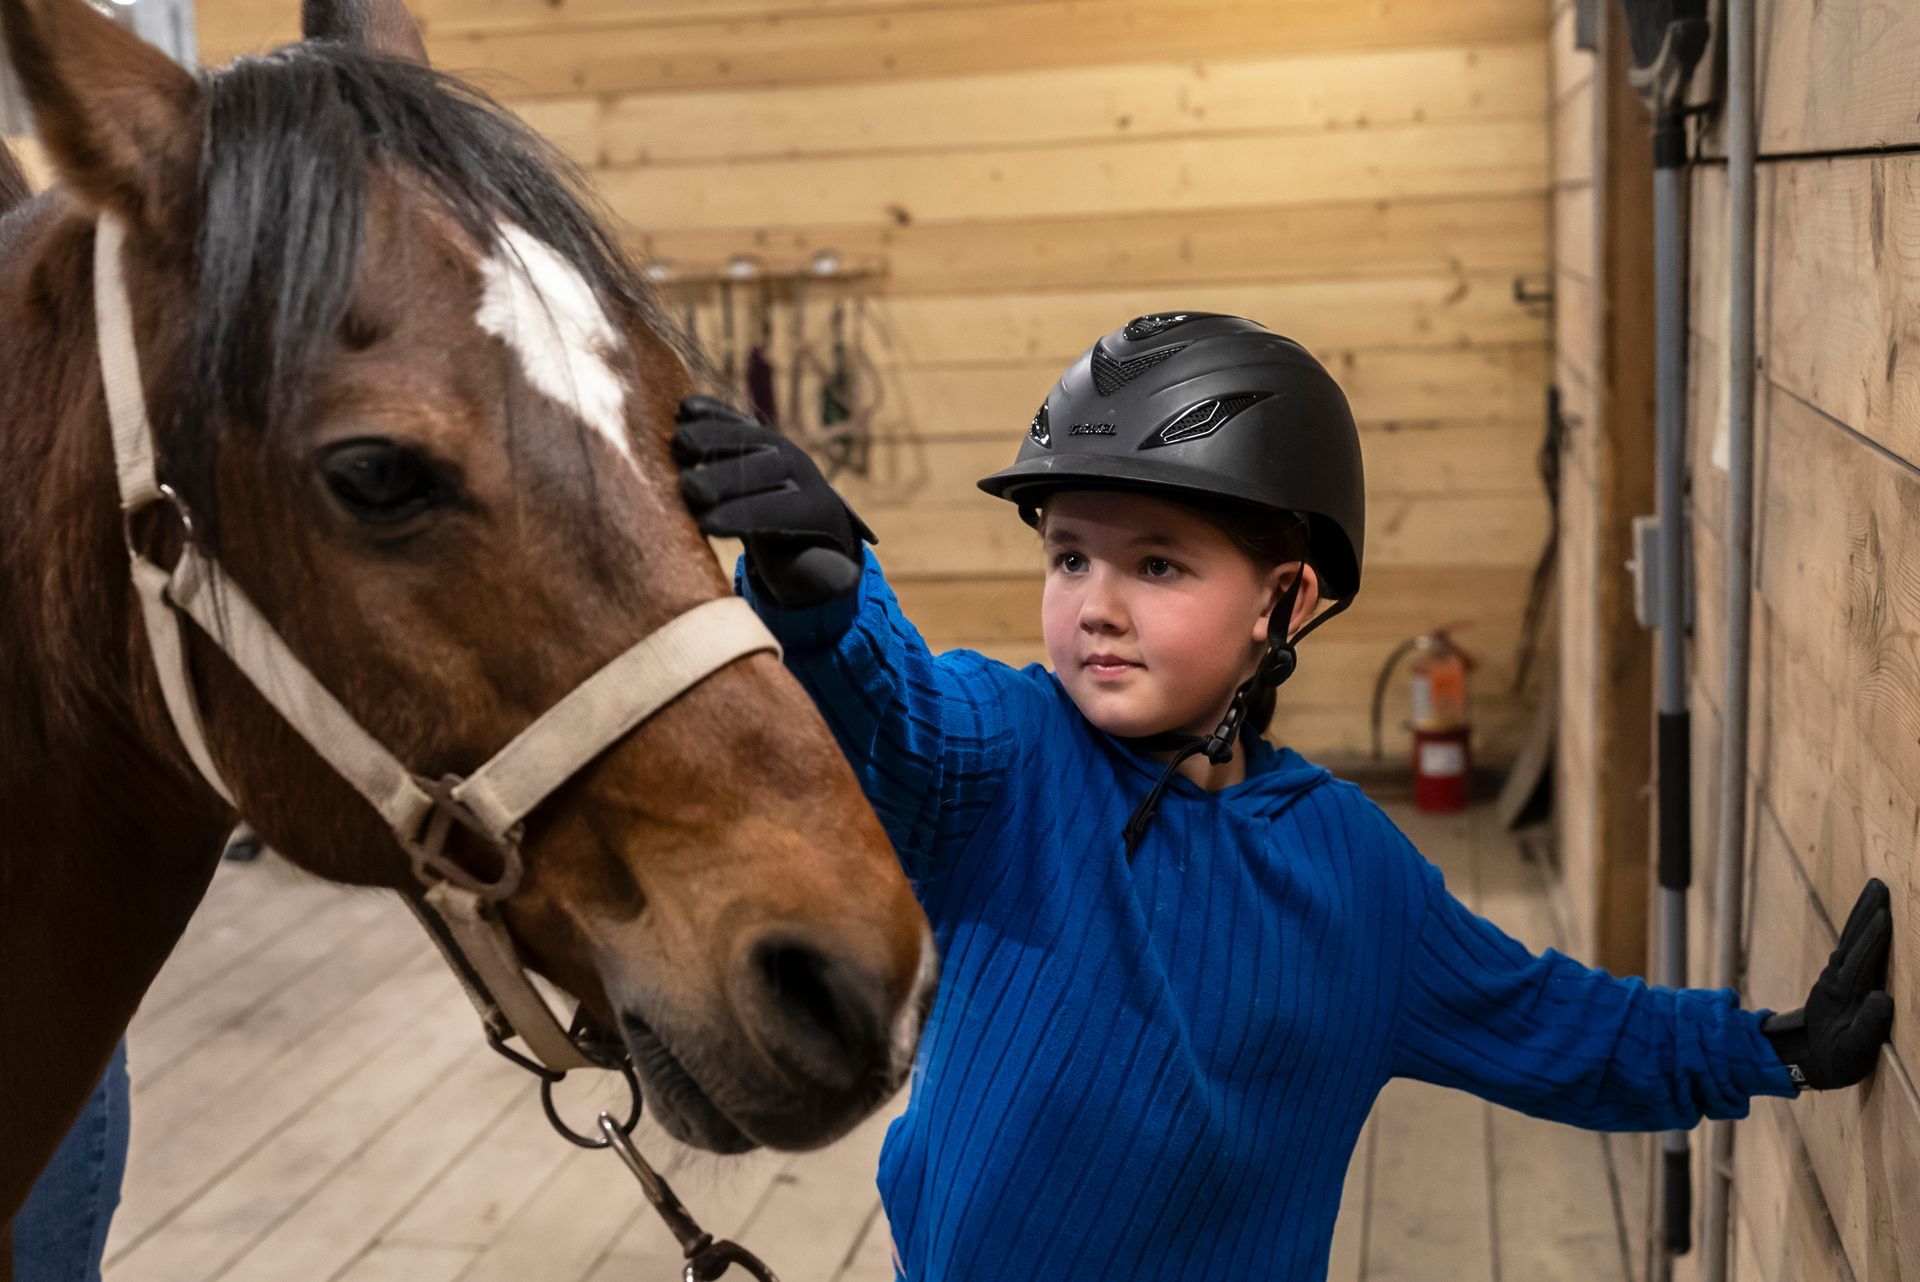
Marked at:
<point>1110,375</point>
<point>1156,323</point>
<point>1039,432</point>
<point>1201,420</point>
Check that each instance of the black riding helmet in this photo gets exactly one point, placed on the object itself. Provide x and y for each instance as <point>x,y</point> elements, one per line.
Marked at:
<point>1200,406</point>
<point>1196,405</point>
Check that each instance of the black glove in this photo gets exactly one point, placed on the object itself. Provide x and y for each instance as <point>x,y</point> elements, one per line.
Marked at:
<point>746,481</point>
<point>1834,1040</point>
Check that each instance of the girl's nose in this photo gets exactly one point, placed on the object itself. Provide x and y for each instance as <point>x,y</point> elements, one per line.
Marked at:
<point>1101,607</point>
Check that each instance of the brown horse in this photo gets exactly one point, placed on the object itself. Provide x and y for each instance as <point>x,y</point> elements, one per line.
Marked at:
<point>417,403</point>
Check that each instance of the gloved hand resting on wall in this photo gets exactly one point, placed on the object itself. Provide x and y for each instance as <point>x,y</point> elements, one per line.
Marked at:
<point>1834,1040</point>
<point>743,480</point>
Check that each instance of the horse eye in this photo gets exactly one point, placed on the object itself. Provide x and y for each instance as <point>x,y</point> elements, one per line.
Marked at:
<point>380,482</point>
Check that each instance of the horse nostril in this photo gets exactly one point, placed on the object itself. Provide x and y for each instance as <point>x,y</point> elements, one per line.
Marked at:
<point>825,1013</point>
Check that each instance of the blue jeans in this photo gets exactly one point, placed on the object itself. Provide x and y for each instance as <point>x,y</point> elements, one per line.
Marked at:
<point>61,1233</point>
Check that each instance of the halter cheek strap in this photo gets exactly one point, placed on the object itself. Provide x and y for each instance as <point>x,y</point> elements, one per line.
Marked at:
<point>459,908</point>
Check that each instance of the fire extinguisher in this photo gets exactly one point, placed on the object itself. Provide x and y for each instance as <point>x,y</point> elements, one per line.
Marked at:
<point>1442,756</point>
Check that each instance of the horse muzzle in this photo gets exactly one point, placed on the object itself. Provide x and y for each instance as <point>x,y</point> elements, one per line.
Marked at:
<point>810,1037</point>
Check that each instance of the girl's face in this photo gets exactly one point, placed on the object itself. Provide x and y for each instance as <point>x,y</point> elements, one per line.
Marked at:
<point>1152,615</point>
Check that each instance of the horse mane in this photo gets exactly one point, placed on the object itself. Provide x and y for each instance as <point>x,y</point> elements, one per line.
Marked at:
<point>291,143</point>
<point>14,190</point>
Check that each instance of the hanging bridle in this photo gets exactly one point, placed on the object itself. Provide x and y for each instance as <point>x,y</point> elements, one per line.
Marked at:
<point>458,907</point>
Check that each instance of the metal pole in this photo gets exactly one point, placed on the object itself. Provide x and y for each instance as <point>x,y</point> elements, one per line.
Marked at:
<point>1729,856</point>
<point>1670,444</point>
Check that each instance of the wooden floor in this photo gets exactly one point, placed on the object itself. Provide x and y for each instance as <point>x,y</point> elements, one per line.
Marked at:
<point>312,1102</point>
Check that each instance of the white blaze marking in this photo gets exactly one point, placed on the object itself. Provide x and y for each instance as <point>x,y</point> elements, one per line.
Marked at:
<point>541,307</point>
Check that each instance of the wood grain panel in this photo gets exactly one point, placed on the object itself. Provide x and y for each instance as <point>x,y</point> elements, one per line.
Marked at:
<point>1163,247</point>
<point>1836,742</point>
<point>1475,158</point>
<point>1844,325</point>
<point>1707,281</point>
<point>1576,822</point>
<point>1707,386</point>
<point>1623,445</point>
<point>1569,66</point>
<point>1573,243</point>
<point>1573,137</point>
<point>617,56</point>
<point>1412,390</point>
<point>1574,320</point>
<point>1575,813</point>
<point>1786,1231</point>
<point>1838,76</point>
<point>1863,1145</point>
<point>1333,241</point>
<point>1342,93</point>
<point>482,15</point>
<point>1416,312</point>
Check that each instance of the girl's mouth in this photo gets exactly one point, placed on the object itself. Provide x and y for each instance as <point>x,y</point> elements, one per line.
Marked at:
<point>1108,667</point>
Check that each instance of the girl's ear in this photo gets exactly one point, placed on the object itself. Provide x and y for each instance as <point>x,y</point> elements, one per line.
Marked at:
<point>1308,599</point>
<point>115,113</point>
<point>1305,602</point>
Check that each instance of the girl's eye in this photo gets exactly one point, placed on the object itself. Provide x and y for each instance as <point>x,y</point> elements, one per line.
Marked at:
<point>1069,562</point>
<point>1158,567</point>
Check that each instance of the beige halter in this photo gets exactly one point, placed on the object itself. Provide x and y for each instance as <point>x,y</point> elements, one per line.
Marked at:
<point>492,802</point>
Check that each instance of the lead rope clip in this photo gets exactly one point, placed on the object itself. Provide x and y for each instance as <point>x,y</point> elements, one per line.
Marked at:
<point>707,1258</point>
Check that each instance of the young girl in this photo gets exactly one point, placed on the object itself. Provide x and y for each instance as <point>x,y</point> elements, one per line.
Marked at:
<point>1180,963</point>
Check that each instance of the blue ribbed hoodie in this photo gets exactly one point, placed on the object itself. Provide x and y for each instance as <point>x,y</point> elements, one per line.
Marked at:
<point>1159,1070</point>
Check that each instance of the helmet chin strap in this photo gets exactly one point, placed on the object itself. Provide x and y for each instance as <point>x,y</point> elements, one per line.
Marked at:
<point>1275,666</point>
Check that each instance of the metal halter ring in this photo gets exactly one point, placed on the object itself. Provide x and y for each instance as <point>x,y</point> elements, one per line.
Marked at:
<point>168,496</point>
<point>567,1133</point>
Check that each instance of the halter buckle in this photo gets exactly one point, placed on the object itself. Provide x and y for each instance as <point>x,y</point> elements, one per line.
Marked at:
<point>427,848</point>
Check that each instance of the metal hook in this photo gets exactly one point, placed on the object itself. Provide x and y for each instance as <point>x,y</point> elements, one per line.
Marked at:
<point>707,1258</point>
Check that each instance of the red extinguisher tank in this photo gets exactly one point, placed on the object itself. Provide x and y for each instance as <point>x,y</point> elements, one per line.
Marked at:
<point>1442,758</point>
<point>1442,753</point>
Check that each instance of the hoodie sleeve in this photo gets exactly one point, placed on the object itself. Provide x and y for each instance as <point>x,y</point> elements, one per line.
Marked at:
<point>1570,1043</point>
<point>932,738</point>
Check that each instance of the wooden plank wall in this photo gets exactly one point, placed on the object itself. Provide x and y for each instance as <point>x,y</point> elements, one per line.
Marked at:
<point>1575,363</point>
<point>1829,1186</point>
<point>1603,368</point>
<point>1368,176</point>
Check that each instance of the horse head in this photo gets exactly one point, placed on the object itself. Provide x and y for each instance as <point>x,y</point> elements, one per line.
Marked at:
<point>416,401</point>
